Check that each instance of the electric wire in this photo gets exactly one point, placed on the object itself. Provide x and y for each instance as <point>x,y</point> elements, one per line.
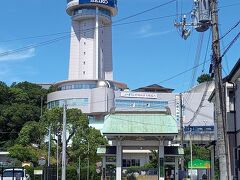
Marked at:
<point>197,58</point>
<point>67,32</point>
<point>229,5</point>
<point>183,72</point>
<point>199,106</point>
<point>206,52</point>
<point>44,43</point>
<point>230,45</point>
<point>138,122</point>
<point>145,11</point>
<point>232,28</point>
<point>122,19</point>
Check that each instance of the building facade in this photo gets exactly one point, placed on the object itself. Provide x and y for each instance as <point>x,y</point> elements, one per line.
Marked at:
<point>91,88</point>
<point>232,124</point>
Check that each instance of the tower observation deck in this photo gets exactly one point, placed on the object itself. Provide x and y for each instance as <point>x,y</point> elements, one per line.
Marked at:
<point>91,39</point>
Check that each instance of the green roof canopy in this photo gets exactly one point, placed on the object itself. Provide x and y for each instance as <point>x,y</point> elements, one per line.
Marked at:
<point>199,164</point>
<point>140,124</point>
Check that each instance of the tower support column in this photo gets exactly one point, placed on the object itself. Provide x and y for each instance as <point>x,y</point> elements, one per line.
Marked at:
<point>119,161</point>
<point>161,171</point>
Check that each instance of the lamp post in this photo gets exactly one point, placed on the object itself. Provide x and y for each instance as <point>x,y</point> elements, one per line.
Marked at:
<point>191,151</point>
<point>49,144</point>
<point>64,143</point>
<point>79,168</point>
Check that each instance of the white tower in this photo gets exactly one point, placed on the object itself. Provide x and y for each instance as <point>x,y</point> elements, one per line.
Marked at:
<point>91,39</point>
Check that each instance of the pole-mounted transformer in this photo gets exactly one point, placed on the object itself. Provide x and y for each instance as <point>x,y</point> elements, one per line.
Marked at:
<point>201,19</point>
<point>201,15</point>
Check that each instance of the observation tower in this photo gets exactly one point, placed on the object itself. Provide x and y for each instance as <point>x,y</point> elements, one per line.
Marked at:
<point>91,39</point>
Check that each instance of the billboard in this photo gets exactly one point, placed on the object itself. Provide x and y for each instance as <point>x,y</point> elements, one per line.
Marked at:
<point>111,3</point>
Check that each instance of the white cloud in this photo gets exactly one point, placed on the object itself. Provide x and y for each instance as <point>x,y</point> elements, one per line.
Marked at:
<point>150,34</point>
<point>147,31</point>
<point>22,55</point>
<point>144,29</point>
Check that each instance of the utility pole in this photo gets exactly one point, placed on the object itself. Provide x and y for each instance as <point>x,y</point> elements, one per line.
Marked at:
<point>57,153</point>
<point>64,142</point>
<point>191,151</point>
<point>181,129</point>
<point>88,163</point>
<point>49,144</point>
<point>219,95</point>
<point>79,167</point>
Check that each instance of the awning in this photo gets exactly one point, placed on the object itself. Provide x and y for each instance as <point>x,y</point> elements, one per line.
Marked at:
<point>140,124</point>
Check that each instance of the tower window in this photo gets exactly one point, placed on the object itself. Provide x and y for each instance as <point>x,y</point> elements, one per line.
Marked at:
<point>84,62</point>
<point>84,53</point>
<point>84,72</point>
<point>84,43</point>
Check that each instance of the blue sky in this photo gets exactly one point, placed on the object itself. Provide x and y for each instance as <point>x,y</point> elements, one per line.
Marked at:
<point>143,53</point>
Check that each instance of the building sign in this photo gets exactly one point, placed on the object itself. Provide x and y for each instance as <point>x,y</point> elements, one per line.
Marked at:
<point>111,3</point>
<point>139,95</point>
<point>177,108</point>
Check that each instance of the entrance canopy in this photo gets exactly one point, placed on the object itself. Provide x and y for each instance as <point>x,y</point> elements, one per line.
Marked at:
<point>140,124</point>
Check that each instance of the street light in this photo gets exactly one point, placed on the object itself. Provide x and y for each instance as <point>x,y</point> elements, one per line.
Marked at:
<point>64,142</point>
<point>191,151</point>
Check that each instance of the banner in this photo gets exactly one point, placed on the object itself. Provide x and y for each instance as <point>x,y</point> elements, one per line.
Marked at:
<point>111,3</point>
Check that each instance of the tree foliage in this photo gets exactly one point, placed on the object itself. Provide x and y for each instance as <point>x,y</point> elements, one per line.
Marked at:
<point>199,152</point>
<point>24,132</point>
<point>204,78</point>
<point>19,104</point>
<point>33,136</point>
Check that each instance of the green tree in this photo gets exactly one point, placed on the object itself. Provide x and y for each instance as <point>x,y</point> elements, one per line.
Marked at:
<point>32,133</point>
<point>199,152</point>
<point>79,136</point>
<point>204,78</point>
<point>19,103</point>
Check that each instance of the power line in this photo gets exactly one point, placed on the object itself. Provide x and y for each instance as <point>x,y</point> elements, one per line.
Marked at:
<point>44,43</point>
<point>138,122</point>
<point>235,4</point>
<point>66,32</point>
<point>145,11</point>
<point>205,57</point>
<point>197,58</point>
<point>200,105</point>
<point>232,28</point>
<point>230,44</point>
<point>181,73</point>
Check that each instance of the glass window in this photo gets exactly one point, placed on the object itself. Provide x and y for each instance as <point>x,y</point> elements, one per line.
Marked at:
<point>141,104</point>
<point>137,162</point>
<point>70,102</point>
<point>231,101</point>
<point>128,163</point>
<point>133,162</point>
<point>10,173</point>
<point>124,163</point>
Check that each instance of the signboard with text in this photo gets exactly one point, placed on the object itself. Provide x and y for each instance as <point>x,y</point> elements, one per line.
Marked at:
<point>111,3</point>
<point>139,95</point>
